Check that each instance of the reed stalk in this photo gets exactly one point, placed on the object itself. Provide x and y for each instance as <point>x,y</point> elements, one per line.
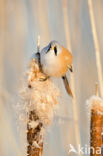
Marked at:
<point>96,45</point>
<point>68,42</point>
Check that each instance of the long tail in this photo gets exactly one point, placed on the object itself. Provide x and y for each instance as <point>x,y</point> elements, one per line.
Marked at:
<point>67,86</point>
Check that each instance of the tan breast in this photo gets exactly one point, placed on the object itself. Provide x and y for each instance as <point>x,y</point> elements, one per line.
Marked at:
<point>60,67</point>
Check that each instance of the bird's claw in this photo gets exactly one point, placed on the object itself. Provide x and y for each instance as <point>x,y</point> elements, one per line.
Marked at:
<point>43,78</point>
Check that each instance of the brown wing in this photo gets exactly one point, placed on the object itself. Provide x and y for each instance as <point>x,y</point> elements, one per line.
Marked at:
<point>67,56</point>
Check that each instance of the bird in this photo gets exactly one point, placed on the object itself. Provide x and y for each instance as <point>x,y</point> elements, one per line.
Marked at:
<point>55,61</point>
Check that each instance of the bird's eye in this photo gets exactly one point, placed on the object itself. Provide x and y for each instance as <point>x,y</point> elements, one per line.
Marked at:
<point>55,50</point>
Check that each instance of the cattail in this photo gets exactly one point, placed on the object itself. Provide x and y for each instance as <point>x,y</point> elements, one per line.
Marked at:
<point>40,98</point>
<point>96,124</point>
<point>34,135</point>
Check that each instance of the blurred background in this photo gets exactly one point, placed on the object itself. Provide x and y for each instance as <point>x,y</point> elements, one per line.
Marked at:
<point>70,23</point>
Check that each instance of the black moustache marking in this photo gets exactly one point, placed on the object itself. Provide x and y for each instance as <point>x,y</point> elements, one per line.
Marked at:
<point>55,50</point>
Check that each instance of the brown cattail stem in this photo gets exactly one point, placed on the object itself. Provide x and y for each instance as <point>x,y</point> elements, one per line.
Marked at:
<point>34,128</point>
<point>96,129</point>
<point>35,146</point>
<point>40,101</point>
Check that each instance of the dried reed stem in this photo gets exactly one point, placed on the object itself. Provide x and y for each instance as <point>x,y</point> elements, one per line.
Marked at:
<point>38,44</point>
<point>96,90</point>
<point>96,44</point>
<point>75,110</point>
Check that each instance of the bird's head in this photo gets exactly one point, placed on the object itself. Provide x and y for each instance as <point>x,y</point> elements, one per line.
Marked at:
<point>54,53</point>
<point>54,47</point>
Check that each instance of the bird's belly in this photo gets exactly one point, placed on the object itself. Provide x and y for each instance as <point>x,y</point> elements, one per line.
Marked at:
<point>53,66</point>
<point>55,71</point>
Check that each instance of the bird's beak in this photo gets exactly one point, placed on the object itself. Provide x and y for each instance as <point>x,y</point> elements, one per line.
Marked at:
<point>52,48</point>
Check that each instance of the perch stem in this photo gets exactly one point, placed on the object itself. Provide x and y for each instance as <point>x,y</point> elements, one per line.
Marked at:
<point>35,146</point>
<point>34,135</point>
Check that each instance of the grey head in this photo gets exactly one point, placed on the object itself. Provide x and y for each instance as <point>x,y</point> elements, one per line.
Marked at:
<point>54,46</point>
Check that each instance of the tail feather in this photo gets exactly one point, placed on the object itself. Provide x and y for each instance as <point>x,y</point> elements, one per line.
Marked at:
<point>67,86</point>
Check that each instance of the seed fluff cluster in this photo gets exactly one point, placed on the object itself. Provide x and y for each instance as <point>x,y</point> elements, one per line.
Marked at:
<point>38,103</point>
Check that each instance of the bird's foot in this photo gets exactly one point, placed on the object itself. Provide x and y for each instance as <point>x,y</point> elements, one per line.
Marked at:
<point>44,78</point>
